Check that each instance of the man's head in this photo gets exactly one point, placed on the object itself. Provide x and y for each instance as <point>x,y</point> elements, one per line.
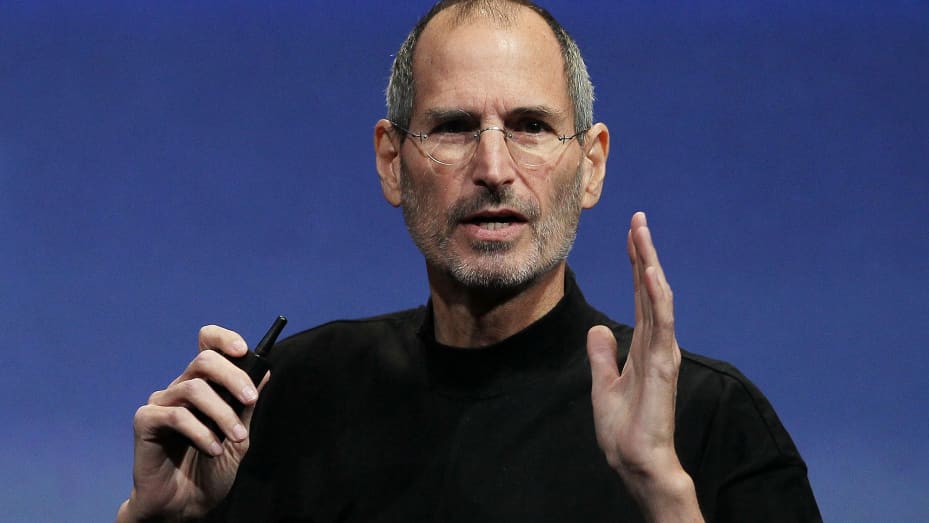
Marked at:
<point>401,88</point>
<point>487,86</point>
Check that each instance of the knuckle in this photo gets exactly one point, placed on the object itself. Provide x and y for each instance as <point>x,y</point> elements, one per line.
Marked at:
<point>141,415</point>
<point>174,417</point>
<point>153,398</point>
<point>191,387</point>
<point>139,421</point>
<point>202,361</point>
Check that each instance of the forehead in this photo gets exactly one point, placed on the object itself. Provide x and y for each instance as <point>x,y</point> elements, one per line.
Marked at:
<point>486,65</point>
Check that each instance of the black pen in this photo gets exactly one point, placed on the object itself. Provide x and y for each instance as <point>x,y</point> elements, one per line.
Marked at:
<point>255,364</point>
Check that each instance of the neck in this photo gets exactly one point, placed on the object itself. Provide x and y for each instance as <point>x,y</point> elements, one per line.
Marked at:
<point>466,317</point>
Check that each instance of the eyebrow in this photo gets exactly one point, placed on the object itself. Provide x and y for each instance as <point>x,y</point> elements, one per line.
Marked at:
<point>442,114</point>
<point>540,111</point>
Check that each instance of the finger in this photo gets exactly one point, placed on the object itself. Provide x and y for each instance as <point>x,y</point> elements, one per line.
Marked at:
<point>654,281</point>
<point>250,409</point>
<point>658,299</point>
<point>644,245</point>
<point>662,300</point>
<point>601,350</point>
<point>209,407</point>
<point>216,368</point>
<point>151,421</point>
<point>224,340</point>
<point>638,228</point>
<point>660,308</point>
<point>636,277</point>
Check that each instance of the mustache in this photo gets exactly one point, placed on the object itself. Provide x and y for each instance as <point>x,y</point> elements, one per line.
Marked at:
<point>504,197</point>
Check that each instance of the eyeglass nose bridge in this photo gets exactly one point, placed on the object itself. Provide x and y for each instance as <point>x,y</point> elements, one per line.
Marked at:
<point>506,134</point>
<point>507,139</point>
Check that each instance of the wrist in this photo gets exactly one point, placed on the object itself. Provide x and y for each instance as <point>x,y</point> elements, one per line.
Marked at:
<point>127,513</point>
<point>667,496</point>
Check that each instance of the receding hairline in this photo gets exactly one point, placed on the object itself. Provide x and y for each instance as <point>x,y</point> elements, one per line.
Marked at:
<point>500,14</point>
<point>500,11</point>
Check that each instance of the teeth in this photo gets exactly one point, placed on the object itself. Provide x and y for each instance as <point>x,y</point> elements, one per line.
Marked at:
<point>493,226</point>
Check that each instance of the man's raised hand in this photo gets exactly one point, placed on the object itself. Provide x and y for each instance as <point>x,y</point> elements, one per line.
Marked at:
<point>634,409</point>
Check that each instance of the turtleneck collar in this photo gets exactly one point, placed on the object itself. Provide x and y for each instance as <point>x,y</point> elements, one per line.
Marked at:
<point>546,346</point>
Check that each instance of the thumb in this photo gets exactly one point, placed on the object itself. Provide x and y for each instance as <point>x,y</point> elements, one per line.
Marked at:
<point>601,350</point>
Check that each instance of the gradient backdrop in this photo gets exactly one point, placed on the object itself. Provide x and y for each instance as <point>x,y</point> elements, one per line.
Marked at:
<point>164,165</point>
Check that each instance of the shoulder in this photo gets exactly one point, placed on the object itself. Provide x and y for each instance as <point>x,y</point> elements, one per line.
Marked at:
<point>715,391</point>
<point>740,454</point>
<point>341,341</point>
<point>361,329</point>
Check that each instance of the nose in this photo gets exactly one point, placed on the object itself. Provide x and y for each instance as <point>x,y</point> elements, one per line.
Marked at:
<point>492,165</point>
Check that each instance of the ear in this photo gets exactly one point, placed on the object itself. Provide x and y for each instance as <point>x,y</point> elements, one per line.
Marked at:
<point>387,159</point>
<point>597,148</point>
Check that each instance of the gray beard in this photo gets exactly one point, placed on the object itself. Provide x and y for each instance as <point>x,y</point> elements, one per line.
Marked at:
<point>553,234</point>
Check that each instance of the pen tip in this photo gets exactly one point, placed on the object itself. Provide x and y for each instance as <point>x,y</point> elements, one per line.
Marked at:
<point>264,346</point>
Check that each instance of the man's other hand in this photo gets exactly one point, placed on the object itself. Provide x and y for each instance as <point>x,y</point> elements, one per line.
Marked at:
<point>181,467</point>
<point>634,409</point>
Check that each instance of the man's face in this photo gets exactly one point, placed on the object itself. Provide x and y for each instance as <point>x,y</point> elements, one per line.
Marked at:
<point>491,222</point>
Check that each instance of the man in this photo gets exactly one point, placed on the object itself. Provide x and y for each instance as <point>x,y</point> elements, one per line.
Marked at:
<point>480,406</point>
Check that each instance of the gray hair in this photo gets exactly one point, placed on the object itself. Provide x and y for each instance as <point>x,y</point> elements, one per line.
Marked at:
<point>400,89</point>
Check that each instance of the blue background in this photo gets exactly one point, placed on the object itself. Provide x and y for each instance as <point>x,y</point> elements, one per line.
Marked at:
<point>164,165</point>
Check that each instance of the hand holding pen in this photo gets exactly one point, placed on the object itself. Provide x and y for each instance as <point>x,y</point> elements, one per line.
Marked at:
<point>191,436</point>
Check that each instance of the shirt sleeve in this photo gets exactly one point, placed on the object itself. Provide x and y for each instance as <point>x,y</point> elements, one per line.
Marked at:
<point>743,461</point>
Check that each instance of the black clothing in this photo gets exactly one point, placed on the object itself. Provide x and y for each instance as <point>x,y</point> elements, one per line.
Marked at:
<point>373,420</point>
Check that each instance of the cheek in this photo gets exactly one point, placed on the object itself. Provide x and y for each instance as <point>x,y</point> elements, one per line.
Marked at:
<point>433,191</point>
<point>549,188</point>
<point>425,197</point>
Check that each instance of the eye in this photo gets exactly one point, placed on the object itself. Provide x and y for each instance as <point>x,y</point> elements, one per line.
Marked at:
<point>531,127</point>
<point>455,126</point>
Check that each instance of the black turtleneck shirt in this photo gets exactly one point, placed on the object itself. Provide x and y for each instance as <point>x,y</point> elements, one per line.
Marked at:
<point>374,420</point>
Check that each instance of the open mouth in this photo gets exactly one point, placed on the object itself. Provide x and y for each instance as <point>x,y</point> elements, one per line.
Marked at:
<point>494,220</point>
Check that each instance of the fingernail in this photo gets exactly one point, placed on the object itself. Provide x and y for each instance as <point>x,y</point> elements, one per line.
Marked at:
<point>239,345</point>
<point>216,449</point>
<point>239,432</point>
<point>249,393</point>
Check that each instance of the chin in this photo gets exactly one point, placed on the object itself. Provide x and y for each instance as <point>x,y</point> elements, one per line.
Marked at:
<point>498,271</point>
<point>494,265</point>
